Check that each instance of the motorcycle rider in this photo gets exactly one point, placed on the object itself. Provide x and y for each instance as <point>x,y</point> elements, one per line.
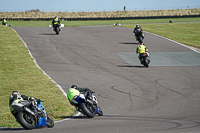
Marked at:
<point>56,21</point>
<point>15,97</point>
<point>4,22</point>
<point>138,32</point>
<point>74,90</point>
<point>141,49</point>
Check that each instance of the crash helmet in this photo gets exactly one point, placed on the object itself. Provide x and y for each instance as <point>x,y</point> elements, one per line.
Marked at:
<point>74,86</point>
<point>16,93</point>
<point>56,16</point>
<point>137,26</point>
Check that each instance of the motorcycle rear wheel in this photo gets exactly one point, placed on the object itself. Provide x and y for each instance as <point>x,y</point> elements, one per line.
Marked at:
<point>146,64</point>
<point>26,123</point>
<point>87,109</point>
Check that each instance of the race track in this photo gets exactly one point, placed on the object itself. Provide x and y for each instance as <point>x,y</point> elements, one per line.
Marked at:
<point>163,98</point>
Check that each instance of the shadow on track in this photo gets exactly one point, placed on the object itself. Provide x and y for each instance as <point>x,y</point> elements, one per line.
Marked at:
<point>131,66</point>
<point>47,34</point>
<point>11,129</point>
<point>129,43</point>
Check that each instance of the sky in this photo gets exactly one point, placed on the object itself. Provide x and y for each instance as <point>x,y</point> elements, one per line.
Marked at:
<point>94,5</point>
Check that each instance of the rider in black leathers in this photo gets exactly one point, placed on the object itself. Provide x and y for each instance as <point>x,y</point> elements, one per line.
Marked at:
<point>138,32</point>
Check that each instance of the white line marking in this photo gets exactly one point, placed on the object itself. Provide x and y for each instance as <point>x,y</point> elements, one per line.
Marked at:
<point>174,42</point>
<point>46,75</point>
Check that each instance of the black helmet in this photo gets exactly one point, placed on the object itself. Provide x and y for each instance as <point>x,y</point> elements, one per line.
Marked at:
<point>137,26</point>
<point>74,86</point>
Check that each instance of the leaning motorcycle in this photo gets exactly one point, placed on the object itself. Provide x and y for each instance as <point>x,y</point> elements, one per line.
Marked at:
<point>88,107</point>
<point>28,119</point>
<point>145,59</point>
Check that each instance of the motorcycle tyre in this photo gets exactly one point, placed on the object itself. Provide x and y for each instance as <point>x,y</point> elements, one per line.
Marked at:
<point>57,30</point>
<point>140,40</point>
<point>86,111</point>
<point>49,125</point>
<point>100,113</point>
<point>23,122</point>
<point>145,62</point>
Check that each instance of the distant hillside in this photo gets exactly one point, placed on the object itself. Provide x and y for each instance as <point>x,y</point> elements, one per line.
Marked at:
<point>38,14</point>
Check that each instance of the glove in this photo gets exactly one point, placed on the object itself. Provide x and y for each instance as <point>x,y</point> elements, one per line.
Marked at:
<point>38,101</point>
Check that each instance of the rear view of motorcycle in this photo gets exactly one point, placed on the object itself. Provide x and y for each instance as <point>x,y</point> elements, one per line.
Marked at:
<point>28,119</point>
<point>144,58</point>
<point>139,38</point>
<point>88,107</point>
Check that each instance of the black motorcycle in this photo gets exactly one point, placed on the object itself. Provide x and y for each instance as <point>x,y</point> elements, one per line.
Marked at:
<point>139,39</point>
<point>56,28</point>
<point>139,36</point>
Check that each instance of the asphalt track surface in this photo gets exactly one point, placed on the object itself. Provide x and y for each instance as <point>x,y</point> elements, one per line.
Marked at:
<point>163,98</point>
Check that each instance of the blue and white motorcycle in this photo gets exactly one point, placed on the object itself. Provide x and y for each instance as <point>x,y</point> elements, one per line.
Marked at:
<point>88,107</point>
<point>29,120</point>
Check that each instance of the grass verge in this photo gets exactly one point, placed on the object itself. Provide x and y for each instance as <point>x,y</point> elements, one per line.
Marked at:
<point>99,22</point>
<point>185,33</point>
<point>19,72</point>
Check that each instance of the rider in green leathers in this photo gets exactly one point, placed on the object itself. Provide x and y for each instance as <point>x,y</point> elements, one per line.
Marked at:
<point>141,49</point>
<point>4,22</point>
<point>74,90</point>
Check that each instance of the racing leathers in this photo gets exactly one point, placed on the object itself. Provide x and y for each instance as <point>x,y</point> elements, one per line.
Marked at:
<point>138,32</point>
<point>141,49</point>
<point>77,91</point>
<point>4,22</point>
<point>55,22</point>
<point>30,101</point>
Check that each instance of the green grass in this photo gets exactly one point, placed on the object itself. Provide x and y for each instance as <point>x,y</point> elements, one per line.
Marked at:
<point>98,22</point>
<point>185,33</point>
<point>18,72</point>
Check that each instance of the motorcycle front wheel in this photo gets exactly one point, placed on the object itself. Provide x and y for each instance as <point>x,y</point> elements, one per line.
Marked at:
<point>50,122</point>
<point>26,121</point>
<point>57,30</point>
<point>100,113</point>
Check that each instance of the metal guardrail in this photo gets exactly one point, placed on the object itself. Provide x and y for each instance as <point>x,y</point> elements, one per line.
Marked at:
<point>110,18</point>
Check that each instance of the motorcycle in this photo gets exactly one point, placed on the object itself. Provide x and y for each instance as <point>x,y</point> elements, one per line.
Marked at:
<point>88,107</point>
<point>57,28</point>
<point>139,39</point>
<point>28,119</point>
<point>139,36</point>
<point>144,58</point>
